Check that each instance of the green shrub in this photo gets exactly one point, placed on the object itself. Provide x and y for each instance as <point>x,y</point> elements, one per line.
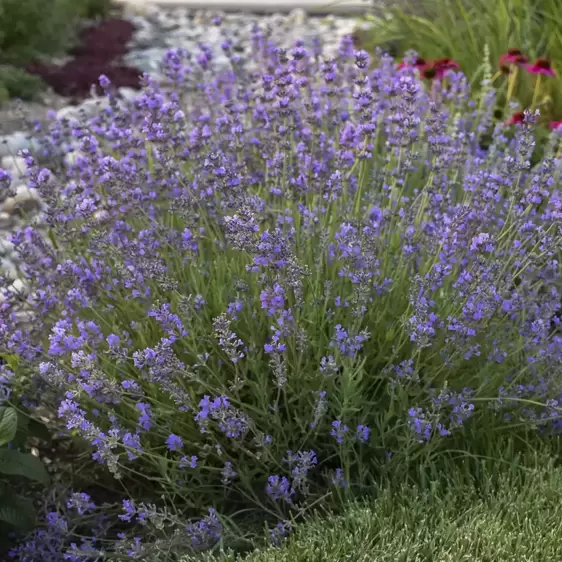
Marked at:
<point>20,84</point>
<point>95,8</point>
<point>36,27</point>
<point>4,94</point>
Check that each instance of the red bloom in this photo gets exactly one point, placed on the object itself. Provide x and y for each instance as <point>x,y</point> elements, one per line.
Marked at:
<point>518,117</point>
<point>444,64</point>
<point>555,125</point>
<point>506,65</point>
<point>513,56</point>
<point>433,69</point>
<point>541,66</point>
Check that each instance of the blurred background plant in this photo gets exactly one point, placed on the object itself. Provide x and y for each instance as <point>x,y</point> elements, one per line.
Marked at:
<point>462,29</point>
<point>93,9</point>
<point>17,83</point>
<point>34,29</point>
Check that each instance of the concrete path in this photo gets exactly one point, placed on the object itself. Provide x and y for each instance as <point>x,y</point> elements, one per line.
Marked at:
<point>261,6</point>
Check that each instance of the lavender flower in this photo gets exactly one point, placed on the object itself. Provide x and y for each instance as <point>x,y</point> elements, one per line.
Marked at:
<point>174,442</point>
<point>300,464</point>
<point>419,424</point>
<point>362,433</point>
<point>339,431</point>
<point>205,532</point>
<point>232,423</point>
<point>273,300</point>
<point>228,341</point>
<point>362,59</point>
<point>130,510</point>
<point>190,462</point>
<point>348,345</point>
<point>145,416</point>
<point>279,532</point>
<point>328,366</point>
<point>81,502</point>
<point>228,473</point>
<point>278,487</point>
<point>338,478</point>
<point>320,408</point>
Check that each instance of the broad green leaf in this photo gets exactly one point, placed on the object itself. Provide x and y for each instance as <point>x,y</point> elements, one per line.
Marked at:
<point>22,432</point>
<point>16,463</point>
<point>11,360</point>
<point>8,425</point>
<point>17,511</point>
<point>39,429</point>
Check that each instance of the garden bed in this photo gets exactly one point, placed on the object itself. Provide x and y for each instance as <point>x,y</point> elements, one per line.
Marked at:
<point>290,276</point>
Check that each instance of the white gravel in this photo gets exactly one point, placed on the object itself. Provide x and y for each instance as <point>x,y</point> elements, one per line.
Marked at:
<point>260,6</point>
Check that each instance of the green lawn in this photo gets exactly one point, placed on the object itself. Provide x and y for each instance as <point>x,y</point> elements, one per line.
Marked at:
<point>509,518</point>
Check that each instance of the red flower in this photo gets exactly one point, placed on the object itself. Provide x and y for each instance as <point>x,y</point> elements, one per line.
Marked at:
<point>506,66</point>
<point>541,66</point>
<point>555,125</point>
<point>518,117</point>
<point>431,69</point>
<point>444,64</point>
<point>513,56</point>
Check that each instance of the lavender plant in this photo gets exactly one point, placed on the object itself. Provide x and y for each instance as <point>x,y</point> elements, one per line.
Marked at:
<point>259,290</point>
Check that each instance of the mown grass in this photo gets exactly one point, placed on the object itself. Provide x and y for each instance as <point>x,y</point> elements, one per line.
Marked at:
<point>510,515</point>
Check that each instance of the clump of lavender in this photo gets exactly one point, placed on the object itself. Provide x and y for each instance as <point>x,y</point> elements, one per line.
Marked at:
<point>367,280</point>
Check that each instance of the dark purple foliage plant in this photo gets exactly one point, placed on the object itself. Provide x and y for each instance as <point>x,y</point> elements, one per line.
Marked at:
<point>259,289</point>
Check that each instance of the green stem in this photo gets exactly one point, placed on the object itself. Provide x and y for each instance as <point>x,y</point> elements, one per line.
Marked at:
<point>536,92</point>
